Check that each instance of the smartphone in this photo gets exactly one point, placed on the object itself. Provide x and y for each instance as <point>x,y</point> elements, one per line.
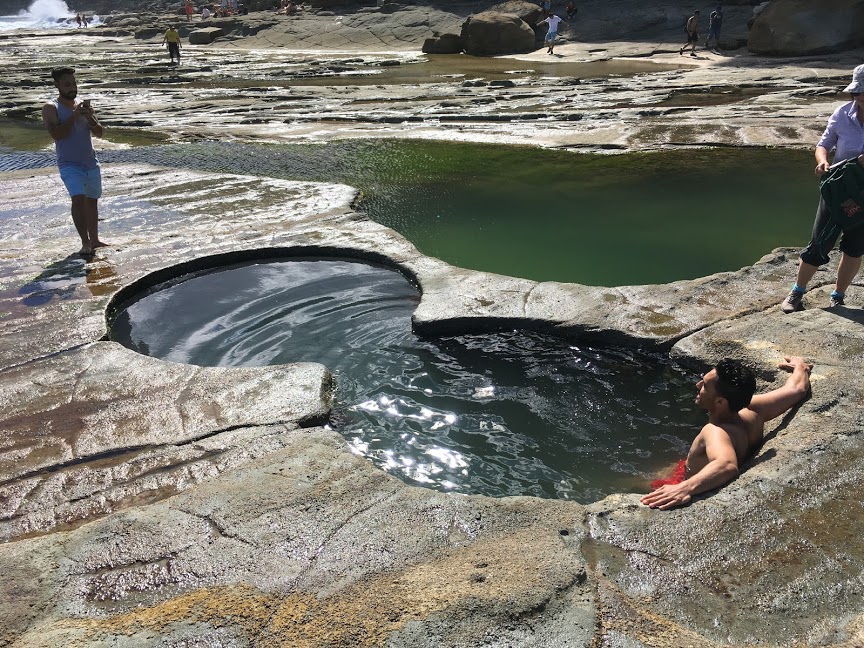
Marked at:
<point>86,104</point>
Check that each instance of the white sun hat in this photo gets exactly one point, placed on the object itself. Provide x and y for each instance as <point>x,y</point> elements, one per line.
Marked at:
<point>857,85</point>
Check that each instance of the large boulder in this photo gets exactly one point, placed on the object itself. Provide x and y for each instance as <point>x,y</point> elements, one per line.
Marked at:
<point>490,33</point>
<point>530,12</point>
<point>443,44</point>
<point>805,27</point>
<point>205,36</point>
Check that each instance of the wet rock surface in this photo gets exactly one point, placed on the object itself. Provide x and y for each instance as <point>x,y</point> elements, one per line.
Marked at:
<point>148,504</point>
<point>360,74</point>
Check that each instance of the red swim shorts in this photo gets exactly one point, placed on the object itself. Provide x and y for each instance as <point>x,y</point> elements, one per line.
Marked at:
<point>678,475</point>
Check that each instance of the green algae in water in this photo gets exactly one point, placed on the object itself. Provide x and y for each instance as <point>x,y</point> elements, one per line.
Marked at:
<point>551,215</point>
<point>601,220</point>
<point>23,135</point>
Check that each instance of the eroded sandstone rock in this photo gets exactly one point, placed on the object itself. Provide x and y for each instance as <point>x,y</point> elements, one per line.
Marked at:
<point>443,44</point>
<point>205,36</point>
<point>490,33</point>
<point>804,27</point>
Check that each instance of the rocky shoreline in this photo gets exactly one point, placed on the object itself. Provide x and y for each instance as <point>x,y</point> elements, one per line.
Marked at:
<point>146,503</point>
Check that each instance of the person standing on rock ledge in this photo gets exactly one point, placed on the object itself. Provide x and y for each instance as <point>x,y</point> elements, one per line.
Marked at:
<point>70,124</point>
<point>715,22</point>
<point>553,21</point>
<point>173,40</point>
<point>736,423</point>
<point>692,34</point>
<point>845,135</point>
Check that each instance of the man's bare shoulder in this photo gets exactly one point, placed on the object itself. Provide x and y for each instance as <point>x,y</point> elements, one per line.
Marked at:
<point>734,434</point>
<point>750,416</point>
<point>720,428</point>
<point>718,433</point>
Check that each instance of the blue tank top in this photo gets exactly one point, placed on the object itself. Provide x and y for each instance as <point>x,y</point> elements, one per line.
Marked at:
<point>76,149</point>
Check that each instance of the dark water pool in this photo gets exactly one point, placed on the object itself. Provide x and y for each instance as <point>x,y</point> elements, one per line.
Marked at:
<point>513,413</point>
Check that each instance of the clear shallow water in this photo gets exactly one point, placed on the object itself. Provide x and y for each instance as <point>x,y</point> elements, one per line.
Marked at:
<point>513,413</point>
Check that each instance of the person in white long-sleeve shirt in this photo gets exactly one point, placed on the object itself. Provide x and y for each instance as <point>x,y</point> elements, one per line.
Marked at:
<point>845,136</point>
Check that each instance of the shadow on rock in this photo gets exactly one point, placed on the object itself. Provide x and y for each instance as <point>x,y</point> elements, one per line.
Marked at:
<point>58,280</point>
<point>61,279</point>
<point>852,314</point>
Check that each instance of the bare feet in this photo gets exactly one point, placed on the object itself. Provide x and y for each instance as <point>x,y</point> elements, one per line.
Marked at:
<point>99,244</point>
<point>85,252</point>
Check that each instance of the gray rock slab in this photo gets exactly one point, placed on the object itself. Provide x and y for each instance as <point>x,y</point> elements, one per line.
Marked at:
<point>777,28</point>
<point>660,100</point>
<point>308,546</point>
<point>833,338</point>
<point>205,35</point>
<point>100,426</point>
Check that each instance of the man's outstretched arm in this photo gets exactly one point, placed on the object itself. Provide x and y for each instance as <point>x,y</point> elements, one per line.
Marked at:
<point>722,467</point>
<point>774,403</point>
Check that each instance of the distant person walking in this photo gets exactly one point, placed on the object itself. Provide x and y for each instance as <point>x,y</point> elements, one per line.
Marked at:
<point>546,6</point>
<point>715,22</point>
<point>70,124</point>
<point>692,34</point>
<point>173,40</point>
<point>845,136</point>
<point>189,8</point>
<point>552,33</point>
<point>78,18</point>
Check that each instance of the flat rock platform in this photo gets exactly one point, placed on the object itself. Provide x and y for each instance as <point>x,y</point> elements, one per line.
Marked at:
<point>145,503</point>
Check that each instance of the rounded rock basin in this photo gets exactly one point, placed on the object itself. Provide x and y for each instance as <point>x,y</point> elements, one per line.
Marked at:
<point>511,413</point>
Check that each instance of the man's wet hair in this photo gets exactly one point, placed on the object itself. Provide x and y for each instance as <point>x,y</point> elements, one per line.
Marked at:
<point>58,73</point>
<point>736,383</point>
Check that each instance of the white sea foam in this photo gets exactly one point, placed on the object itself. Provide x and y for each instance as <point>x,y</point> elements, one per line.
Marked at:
<point>44,14</point>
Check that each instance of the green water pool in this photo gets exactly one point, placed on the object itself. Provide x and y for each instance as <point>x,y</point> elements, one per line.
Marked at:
<point>549,215</point>
<point>553,215</point>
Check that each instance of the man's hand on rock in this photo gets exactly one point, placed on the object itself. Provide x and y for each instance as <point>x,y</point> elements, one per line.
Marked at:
<point>795,362</point>
<point>667,496</point>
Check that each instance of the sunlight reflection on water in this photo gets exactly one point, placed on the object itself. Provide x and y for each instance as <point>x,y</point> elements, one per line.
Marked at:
<point>511,413</point>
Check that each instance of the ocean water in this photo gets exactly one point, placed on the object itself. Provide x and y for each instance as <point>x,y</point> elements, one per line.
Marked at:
<point>44,14</point>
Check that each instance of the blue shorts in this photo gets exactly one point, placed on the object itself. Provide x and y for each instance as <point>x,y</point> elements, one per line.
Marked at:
<point>82,181</point>
<point>551,36</point>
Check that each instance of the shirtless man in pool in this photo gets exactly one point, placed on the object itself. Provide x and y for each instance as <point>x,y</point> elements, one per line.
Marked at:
<point>736,422</point>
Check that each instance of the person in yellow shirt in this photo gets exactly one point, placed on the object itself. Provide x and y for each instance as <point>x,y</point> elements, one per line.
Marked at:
<point>173,40</point>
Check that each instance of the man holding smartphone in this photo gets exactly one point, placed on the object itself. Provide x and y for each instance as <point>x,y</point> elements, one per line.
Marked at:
<point>70,124</point>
